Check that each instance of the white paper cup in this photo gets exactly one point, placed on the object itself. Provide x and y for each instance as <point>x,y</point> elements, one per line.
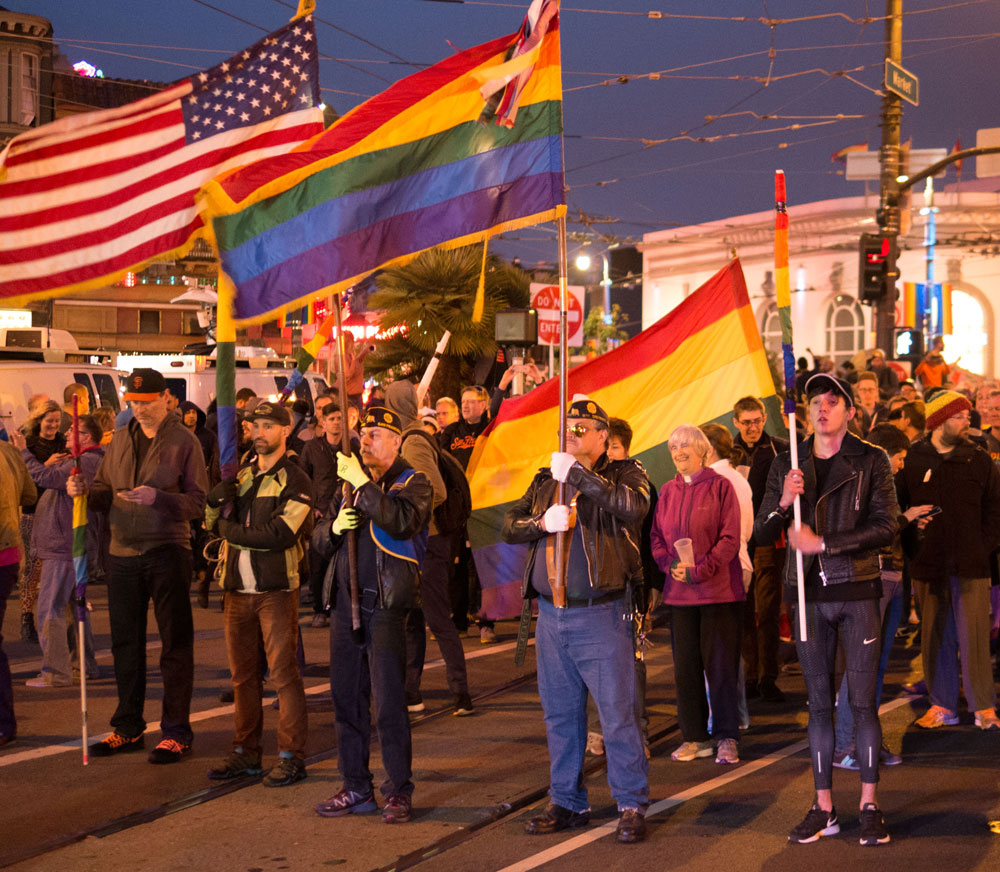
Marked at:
<point>684,550</point>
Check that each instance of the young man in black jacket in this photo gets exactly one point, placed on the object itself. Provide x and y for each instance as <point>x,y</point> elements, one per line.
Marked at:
<point>849,512</point>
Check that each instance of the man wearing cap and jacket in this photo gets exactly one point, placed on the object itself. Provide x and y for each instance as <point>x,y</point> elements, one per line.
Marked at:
<point>849,512</point>
<point>267,518</point>
<point>586,645</point>
<point>392,506</point>
<point>152,483</point>
<point>951,570</point>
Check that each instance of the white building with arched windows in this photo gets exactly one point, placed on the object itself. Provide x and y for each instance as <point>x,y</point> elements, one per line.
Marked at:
<point>823,271</point>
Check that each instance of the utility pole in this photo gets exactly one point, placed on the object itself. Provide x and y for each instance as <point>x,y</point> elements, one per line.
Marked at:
<point>890,158</point>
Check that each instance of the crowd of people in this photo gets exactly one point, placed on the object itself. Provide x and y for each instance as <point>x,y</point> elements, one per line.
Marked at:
<point>890,519</point>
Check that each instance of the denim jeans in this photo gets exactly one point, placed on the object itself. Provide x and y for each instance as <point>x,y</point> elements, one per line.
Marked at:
<point>162,575</point>
<point>54,594</point>
<point>374,671</point>
<point>580,650</point>
<point>890,607</point>
<point>273,617</point>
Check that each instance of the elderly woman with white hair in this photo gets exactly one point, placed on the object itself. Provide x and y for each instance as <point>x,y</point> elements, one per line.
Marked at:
<point>704,589</point>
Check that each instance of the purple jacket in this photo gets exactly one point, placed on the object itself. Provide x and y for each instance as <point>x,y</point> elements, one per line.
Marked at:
<point>52,533</point>
<point>707,512</point>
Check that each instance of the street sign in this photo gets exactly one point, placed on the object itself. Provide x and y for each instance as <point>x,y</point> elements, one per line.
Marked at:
<point>902,82</point>
<point>545,300</point>
<point>862,165</point>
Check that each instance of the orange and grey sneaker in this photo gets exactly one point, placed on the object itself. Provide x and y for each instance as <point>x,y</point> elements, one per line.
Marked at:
<point>937,716</point>
<point>116,743</point>
<point>986,719</point>
<point>169,751</point>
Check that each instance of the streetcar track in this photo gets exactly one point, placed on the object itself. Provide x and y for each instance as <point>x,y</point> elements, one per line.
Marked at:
<point>217,791</point>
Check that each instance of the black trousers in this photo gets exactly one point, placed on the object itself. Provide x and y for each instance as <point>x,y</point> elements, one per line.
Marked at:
<point>435,576</point>
<point>857,626</point>
<point>363,675</point>
<point>162,575</point>
<point>706,642</point>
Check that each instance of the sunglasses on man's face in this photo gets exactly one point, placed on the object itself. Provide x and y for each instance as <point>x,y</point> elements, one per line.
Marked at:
<point>578,430</point>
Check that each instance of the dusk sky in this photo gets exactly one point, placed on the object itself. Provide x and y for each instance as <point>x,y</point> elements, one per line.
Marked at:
<point>705,67</point>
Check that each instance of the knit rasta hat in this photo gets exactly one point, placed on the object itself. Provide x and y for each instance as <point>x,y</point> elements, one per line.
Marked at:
<point>942,406</point>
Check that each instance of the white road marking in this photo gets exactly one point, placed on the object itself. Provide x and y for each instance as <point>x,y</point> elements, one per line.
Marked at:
<point>209,714</point>
<point>606,829</point>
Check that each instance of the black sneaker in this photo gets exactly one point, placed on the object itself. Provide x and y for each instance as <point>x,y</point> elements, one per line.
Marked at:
<point>463,705</point>
<point>237,765</point>
<point>397,809</point>
<point>288,771</point>
<point>556,818</point>
<point>169,751</point>
<point>116,743</point>
<point>873,831</point>
<point>815,824</point>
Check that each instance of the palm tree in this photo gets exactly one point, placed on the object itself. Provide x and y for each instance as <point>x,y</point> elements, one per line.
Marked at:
<point>433,293</point>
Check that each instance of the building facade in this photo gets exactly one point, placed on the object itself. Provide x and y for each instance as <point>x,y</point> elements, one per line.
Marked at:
<point>827,316</point>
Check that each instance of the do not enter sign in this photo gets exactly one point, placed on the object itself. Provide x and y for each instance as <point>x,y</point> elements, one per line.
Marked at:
<point>545,301</point>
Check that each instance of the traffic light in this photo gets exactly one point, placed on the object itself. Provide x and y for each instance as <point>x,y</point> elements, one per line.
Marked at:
<point>874,281</point>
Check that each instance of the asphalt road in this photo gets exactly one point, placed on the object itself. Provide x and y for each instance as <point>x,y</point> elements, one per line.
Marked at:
<point>478,780</point>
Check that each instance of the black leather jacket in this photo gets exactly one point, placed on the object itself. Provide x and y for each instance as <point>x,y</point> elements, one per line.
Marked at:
<point>613,499</point>
<point>856,514</point>
<point>402,511</point>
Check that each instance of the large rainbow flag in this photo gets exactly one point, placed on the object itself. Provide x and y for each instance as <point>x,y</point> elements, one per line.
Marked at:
<point>689,367</point>
<point>437,159</point>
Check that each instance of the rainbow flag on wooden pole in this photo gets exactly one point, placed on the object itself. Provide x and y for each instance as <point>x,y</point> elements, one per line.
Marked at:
<point>784,300</point>
<point>690,366</point>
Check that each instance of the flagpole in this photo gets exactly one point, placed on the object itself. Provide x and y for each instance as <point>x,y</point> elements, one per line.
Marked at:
<point>784,300</point>
<point>345,448</point>
<point>80,571</point>
<point>428,377</point>
<point>559,582</point>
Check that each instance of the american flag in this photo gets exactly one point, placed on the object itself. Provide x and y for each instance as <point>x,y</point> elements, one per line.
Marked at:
<point>89,197</point>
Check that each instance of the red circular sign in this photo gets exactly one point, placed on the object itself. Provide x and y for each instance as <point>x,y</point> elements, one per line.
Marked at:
<point>546,303</point>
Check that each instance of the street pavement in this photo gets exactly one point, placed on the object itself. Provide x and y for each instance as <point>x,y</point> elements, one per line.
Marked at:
<point>478,779</point>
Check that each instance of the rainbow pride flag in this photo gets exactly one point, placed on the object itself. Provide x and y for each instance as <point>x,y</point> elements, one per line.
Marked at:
<point>430,161</point>
<point>689,367</point>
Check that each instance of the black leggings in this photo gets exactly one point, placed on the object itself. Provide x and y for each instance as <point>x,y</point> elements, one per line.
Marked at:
<point>857,627</point>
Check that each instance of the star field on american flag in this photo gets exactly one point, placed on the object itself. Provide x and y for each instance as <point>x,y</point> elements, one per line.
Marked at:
<point>276,75</point>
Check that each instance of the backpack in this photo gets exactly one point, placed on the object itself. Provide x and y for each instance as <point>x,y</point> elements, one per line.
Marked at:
<point>452,515</point>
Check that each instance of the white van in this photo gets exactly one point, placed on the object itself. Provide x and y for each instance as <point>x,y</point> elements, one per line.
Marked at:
<point>192,377</point>
<point>21,379</point>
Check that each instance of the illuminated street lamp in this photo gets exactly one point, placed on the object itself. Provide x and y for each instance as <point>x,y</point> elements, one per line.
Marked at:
<point>583,262</point>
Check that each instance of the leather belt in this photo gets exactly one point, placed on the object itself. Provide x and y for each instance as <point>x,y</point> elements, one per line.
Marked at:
<point>584,603</point>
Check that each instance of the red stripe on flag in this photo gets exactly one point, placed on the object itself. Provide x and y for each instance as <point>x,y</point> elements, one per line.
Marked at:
<point>110,266</point>
<point>164,118</point>
<point>178,171</point>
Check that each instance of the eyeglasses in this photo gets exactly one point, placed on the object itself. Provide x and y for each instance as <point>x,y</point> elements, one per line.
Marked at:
<point>578,430</point>
<point>751,422</point>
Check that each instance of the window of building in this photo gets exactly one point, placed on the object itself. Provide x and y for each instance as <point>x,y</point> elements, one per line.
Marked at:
<point>29,90</point>
<point>18,86</point>
<point>149,321</point>
<point>770,327</point>
<point>845,328</point>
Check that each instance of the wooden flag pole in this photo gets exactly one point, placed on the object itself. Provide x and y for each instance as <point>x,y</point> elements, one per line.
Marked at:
<point>559,582</point>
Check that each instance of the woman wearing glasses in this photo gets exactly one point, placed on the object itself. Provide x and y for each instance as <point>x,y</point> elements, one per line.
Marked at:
<point>696,542</point>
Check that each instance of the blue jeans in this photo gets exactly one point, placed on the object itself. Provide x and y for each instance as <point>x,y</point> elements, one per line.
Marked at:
<point>54,594</point>
<point>890,608</point>
<point>580,650</point>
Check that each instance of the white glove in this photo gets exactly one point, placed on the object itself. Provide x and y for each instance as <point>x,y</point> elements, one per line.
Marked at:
<point>556,519</point>
<point>349,469</point>
<point>560,464</point>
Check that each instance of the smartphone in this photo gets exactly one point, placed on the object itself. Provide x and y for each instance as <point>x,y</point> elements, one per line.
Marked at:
<point>931,512</point>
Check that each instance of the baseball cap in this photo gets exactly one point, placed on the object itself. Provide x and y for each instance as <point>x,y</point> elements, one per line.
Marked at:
<point>824,383</point>
<point>270,411</point>
<point>144,385</point>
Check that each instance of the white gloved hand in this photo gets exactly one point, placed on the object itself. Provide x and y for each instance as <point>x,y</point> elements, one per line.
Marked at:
<point>347,519</point>
<point>349,469</point>
<point>556,519</point>
<point>560,464</point>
